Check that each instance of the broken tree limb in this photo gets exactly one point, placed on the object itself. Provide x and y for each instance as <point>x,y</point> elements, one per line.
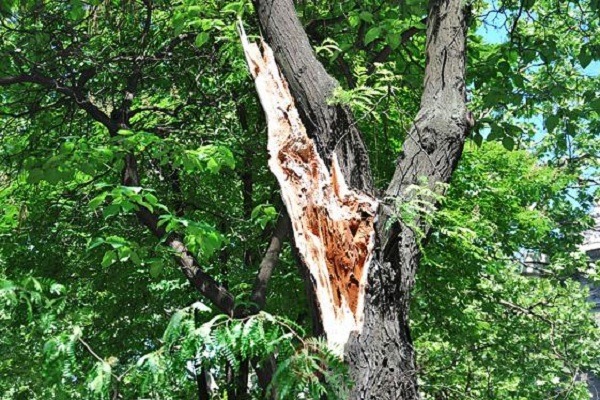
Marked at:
<point>331,126</point>
<point>333,225</point>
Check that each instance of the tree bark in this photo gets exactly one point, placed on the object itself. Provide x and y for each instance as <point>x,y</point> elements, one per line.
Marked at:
<point>379,349</point>
<point>430,154</point>
<point>269,261</point>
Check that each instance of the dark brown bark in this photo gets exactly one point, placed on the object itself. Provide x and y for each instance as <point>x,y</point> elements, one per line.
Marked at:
<point>381,356</point>
<point>269,261</point>
<point>202,387</point>
<point>430,152</point>
<point>241,381</point>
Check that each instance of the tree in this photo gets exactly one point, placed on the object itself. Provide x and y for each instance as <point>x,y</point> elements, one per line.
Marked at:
<point>380,367</point>
<point>144,124</point>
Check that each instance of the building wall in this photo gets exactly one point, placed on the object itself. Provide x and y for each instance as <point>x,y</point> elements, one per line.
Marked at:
<point>591,246</point>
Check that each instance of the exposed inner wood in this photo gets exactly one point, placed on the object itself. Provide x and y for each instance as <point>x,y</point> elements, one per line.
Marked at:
<point>333,225</point>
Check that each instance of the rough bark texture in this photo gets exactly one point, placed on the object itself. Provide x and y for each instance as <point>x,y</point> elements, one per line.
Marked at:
<point>381,356</point>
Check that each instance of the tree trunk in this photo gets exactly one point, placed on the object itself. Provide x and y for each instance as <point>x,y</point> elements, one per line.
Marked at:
<point>361,270</point>
<point>381,357</point>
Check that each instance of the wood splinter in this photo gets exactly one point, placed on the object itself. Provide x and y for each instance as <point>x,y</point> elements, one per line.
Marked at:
<point>333,225</point>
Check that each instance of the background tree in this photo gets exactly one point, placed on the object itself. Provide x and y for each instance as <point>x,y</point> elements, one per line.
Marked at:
<point>128,122</point>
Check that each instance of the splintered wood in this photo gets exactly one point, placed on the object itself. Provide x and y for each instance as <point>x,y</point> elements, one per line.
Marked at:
<point>333,225</point>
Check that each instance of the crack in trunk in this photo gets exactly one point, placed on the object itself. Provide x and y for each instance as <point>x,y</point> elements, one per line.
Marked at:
<point>333,225</point>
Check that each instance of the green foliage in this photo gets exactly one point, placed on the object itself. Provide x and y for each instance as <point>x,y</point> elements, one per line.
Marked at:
<point>304,366</point>
<point>262,214</point>
<point>313,371</point>
<point>415,208</point>
<point>484,330</point>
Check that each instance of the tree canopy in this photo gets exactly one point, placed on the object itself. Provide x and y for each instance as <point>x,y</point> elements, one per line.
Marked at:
<point>145,251</point>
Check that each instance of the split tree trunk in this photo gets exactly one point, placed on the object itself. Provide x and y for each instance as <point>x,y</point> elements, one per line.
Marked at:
<point>320,161</point>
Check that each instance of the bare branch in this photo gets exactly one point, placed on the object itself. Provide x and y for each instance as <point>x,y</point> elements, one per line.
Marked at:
<point>270,260</point>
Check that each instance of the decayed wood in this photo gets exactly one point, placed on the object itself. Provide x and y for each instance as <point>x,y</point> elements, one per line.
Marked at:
<point>381,358</point>
<point>333,225</point>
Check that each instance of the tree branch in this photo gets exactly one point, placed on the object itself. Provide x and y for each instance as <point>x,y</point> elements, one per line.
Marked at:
<point>330,126</point>
<point>429,156</point>
<point>200,280</point>
<point>71,91</point>
<point>526,311</point>
<point>383,55</point>
<point>270,260</point>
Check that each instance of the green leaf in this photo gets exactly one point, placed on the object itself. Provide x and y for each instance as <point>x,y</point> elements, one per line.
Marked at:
<point>124,253</point>
<point>110,210</point>
<point>156,268</point>
<point>508,142</point>
<point>52,175</point>
<point>551,122</point>
<point>595,105</point>
<point>372,34</point>
<point>95,243</point>
<point>256,211</point>
<point>135,258</point>
<point>151,199</point>
<point>366,16</point>
<point>393,40</point>
<point>109,258</point>
<point>212,166</point>
<point>496,132</point>
<point>128,206</point>
<point>6,285</point>
<point>237,8</point>
<point>67,147</point>
<point>354,20</point>
<point>147,205</point>
<point>584,56</point>
<point>179,23</point>
<point>116,241</point>
<point>202,38</point>
<point>77,10</point>
<point>35,175</point>
<point>96,201</point>
<point>210,243</point>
